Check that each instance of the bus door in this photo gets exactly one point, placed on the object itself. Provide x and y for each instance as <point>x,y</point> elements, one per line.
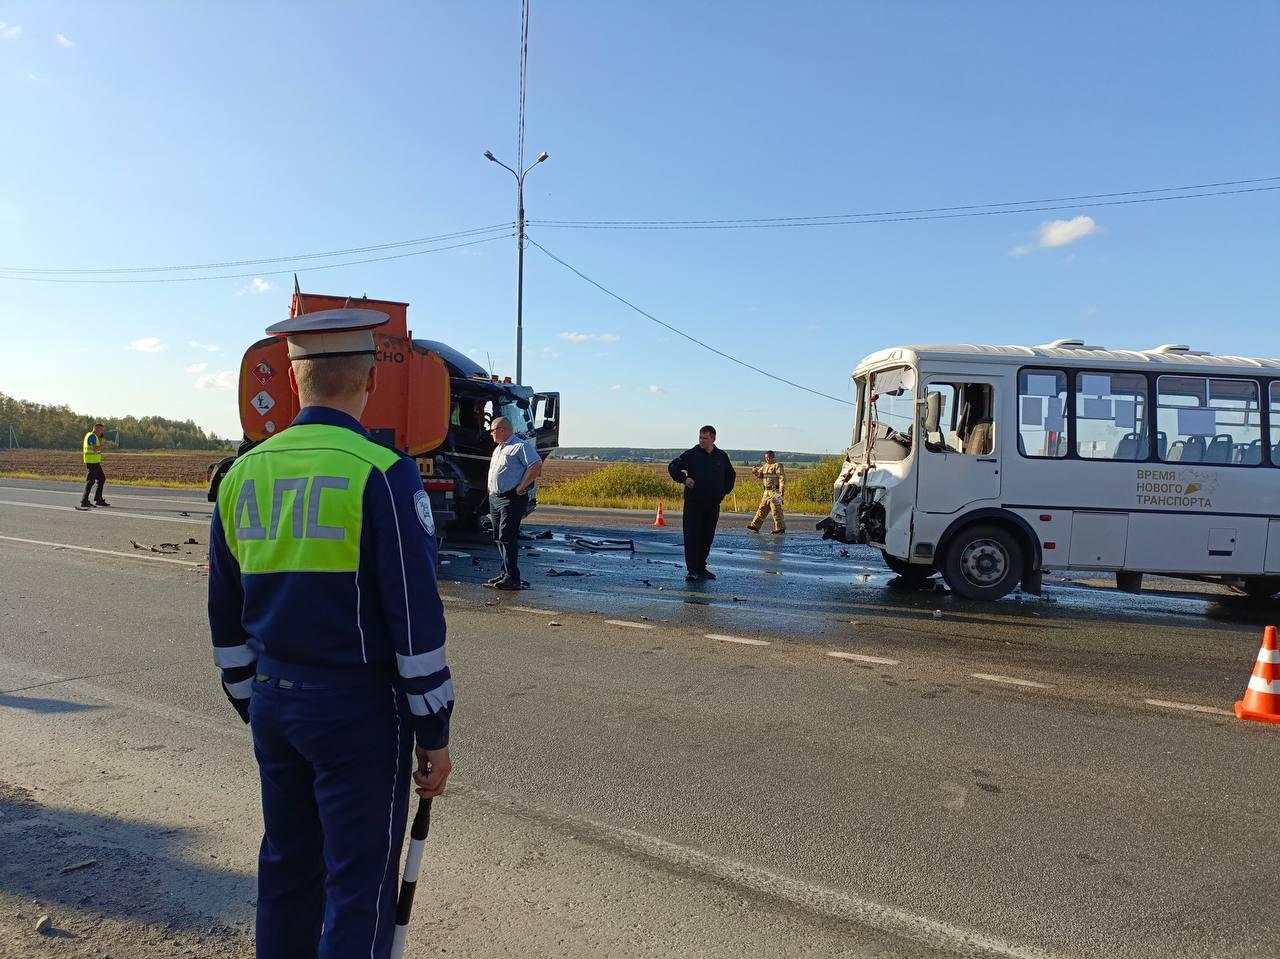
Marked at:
<point>960,460</point>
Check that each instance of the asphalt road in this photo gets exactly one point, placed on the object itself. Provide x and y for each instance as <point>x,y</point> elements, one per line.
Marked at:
<point>803,758</point>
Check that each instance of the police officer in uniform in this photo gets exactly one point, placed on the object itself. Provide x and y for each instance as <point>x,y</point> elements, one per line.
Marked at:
<point>329,630</point>
<point>92,452</point>
<point>774,478</point>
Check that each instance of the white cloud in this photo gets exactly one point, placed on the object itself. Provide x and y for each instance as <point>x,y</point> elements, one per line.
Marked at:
<point>205,346</point>
<point>256,285</point>
<point>654,388</point>
<point>590,337</point>
<point>549,353</point>
<point>34,78</point>
<point>616,388</point>
<point>9,31</point>
<point>147,344</point>
<point>62,40</point>
<point>221,380</point>
<point>1055,233</point>
<point>196,368</point>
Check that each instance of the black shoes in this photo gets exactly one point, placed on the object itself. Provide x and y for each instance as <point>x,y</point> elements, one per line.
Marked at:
<point>101,502</point>
<point>707,574</point>
<point>509,584</point>
<point>699,575</point>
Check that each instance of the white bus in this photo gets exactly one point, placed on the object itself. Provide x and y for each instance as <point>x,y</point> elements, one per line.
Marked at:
<point>992,464</point>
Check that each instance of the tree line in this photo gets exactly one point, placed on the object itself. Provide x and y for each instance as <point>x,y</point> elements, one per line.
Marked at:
<point>40,426</point>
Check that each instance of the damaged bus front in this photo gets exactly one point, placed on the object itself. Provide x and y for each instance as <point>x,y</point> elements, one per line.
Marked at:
<point>864,506</point>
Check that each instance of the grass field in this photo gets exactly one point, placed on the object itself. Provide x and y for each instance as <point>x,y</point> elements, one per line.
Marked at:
<point>564,482</point>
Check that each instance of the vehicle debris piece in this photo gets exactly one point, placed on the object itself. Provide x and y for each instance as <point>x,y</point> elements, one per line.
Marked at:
<point>566,572</point>
<point>77,866</point>
<point>599,545</point>
<point>157,548</point>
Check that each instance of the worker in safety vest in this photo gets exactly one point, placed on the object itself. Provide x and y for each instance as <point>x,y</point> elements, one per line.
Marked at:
<point>329,630</point>
<point>774,478</point>
<point>92,451</point>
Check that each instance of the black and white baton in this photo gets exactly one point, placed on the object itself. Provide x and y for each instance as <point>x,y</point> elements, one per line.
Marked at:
<point>409,884</point>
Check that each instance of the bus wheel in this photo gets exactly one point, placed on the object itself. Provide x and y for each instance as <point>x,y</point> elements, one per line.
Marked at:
<point>1261,587</point>
<point>983,562</point>
<point>914,573</point>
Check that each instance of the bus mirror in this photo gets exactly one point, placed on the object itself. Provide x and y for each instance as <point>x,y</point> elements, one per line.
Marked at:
<point>932,412</point>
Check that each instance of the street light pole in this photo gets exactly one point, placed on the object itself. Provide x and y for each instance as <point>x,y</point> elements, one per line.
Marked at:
<point>488,155</point>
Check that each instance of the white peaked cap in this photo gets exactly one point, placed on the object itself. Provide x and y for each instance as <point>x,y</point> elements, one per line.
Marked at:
<point>346,332</point>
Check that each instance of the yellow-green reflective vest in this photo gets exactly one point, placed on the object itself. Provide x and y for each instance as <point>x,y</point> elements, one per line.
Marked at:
<point>92,447</point>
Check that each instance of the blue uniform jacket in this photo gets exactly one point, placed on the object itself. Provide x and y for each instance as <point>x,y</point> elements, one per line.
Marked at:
<point>325,627</point>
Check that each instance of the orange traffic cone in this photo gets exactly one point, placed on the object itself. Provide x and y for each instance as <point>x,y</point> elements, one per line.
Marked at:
<point>1261,701</point>
<point>659,521</point>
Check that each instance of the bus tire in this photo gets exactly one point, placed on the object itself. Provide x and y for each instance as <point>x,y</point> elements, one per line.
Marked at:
<point>914,573</point>
<point>1261,587</point>
<point>983,561</point>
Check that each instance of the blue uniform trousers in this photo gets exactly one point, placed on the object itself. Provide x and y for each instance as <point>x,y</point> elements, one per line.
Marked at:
<point>334,763</point>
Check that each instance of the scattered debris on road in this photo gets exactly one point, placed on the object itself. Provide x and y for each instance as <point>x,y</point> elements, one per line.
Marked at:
<point>627,545</point>
<point>44,924</point>
<point>77,866</point>
<point>566,572</point>
<point>157,548</point>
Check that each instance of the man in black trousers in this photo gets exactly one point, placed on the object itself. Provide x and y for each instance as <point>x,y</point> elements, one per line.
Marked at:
<point>707,477</point>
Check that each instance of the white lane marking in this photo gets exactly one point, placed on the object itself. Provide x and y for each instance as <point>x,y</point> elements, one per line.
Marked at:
<point>107,511</point>
<point>1189,707</point>
<point>105,552</point>
<point>115,494</point>
<point>629,625</point>
<point>833,903</point>
<point>1010,680</point>
<point>741,640</point>
<point>858,657</point>
<point>533,609</point>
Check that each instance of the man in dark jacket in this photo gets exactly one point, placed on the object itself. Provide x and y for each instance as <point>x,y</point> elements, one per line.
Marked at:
<point>707,477</point>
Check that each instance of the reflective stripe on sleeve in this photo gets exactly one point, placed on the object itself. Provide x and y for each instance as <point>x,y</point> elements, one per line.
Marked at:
<point>229,657</point>
<point>422,664</point>
<point>242,689</point>
<point>433,702</point>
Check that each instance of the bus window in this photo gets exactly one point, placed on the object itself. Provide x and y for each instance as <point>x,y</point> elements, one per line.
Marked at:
<point>1209,421</point>
<point>894,400</point>
<point>1275,423</point>
<point>965,418</point>
<point>1042,404</point>
<point>1111,416</point>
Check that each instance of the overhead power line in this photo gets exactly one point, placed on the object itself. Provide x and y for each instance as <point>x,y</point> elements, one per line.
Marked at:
<point>679,332</point>
<point>297,257</point>
<point>256,273</point>
<point>1001,208</point>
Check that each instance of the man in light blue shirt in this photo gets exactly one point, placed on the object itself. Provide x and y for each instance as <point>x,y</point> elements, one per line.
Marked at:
<point>514,468</point>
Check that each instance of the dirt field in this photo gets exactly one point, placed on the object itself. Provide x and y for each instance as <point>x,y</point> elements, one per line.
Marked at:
<point>161,467</point>
<point>189,467</point>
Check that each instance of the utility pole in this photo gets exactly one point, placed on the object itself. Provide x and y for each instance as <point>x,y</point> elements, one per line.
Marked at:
<point>488,155</point>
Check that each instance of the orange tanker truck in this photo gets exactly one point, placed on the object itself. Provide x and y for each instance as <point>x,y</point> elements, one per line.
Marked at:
<point>432,402</point>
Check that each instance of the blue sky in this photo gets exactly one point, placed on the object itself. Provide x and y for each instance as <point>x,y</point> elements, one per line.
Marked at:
<point>160,133</point>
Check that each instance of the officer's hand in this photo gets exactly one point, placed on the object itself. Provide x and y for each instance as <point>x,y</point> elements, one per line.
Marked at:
<point>689,483</point>
<point>432,772</point>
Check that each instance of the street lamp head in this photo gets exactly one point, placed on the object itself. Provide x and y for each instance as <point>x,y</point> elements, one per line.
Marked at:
<point>488,155</point>
<point>541,157</point>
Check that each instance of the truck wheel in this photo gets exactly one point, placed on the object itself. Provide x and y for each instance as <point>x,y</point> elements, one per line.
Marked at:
<point>914,573</point>
<point>983,562</point>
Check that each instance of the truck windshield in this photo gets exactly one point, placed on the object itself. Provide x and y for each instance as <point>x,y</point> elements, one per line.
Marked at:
<point>519,418</point>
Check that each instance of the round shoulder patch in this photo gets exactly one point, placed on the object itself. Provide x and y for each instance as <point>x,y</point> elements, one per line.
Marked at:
<point>422,506</point>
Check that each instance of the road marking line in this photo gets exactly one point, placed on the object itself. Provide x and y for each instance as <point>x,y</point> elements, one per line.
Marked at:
<point>1189,707</point>
<point>858,657</point>
<point>741,640</point>
<point>115,494</point>
<point>629,625</point>
<point>1010,680</point>
<point>836,904</point>
<point>533,609</point>
<point>106,552</point>
<point>111,512</point>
